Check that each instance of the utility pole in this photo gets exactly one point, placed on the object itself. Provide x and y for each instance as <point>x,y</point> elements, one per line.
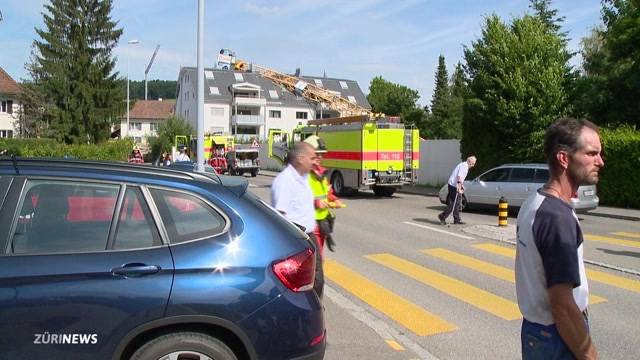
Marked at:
<point>147,70</point>
<point>200,105</point>
<point>130,42</point>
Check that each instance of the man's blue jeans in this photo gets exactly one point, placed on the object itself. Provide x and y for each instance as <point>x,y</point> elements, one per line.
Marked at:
<point>542,342</point>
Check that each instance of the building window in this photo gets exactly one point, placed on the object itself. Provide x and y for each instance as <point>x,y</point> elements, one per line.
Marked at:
<point>275,114</point>
<point>137,139</point>
<point>7,107</point>
<point>217,112</point>
<point>343,85</point>
<point>301,115</point>
<point>213,90</point>
<point>6,134</point>
<point>135,126</point>
<point>238,76</point>
<point>208,74</point>
<point>273,94</point>
<point>153,126</point>
<point>352,99</point>
<point>318,82</point>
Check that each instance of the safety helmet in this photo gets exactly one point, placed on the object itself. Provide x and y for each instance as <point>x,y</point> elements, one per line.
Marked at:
<point>318,144</point>
<point>181,147</point>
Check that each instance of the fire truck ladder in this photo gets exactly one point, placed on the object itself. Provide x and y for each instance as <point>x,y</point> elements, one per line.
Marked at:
<point>312,92</point>
<point>408,154</point>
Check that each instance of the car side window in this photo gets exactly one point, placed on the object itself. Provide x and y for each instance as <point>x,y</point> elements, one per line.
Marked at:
<point>542,176</point>
<point>187,217</point>
<point>63,216</point>
<point>497,175</point>
<point>136,228</point>
<point>523,175</point>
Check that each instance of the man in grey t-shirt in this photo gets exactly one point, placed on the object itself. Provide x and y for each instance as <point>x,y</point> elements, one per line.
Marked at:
<point>551,284</point>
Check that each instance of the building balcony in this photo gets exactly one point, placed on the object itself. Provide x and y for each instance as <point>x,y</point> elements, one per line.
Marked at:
<point>249,100</point>
<point>253,120</point>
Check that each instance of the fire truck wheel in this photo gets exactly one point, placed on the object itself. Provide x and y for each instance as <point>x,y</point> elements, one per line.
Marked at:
<point>384,190</point>
<point>254,173</point>
<point>337,182</point>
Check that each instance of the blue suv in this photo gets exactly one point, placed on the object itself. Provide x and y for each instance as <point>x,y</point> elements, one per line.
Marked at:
<point>104,260</point>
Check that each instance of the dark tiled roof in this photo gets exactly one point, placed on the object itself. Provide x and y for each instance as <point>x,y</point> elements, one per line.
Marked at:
<point>152,109</point>
<point>7,84</point>
<point>223,79</point>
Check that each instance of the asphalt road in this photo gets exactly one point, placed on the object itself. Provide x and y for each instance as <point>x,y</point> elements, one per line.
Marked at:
<point>402,286</point>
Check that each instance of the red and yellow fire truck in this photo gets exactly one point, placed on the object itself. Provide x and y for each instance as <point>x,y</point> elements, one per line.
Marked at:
<point>381,154</point>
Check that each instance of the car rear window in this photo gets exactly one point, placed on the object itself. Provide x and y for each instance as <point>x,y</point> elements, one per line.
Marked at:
<point>542,176</point>
<point>187,217</point>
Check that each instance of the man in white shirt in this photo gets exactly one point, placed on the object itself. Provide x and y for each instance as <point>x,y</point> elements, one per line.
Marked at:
<point>182,156</point>
<point>291,195</point>
<point>456,188</point>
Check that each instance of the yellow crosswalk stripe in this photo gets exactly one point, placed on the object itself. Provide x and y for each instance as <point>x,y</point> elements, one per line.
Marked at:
<point>627,234</point>
<point>487,268</point>
<point>406,313</point>
<point>395,345</point>
<point>599,276</point>
<point>472,295</point>
<point>610,240</point>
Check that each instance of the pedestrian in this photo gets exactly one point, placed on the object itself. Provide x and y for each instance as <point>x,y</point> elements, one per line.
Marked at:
<point>291,195</point>
<point>136,156</point>
<point>324,197</point>
<point>455,191</point>
<point>182,156</point>
<point>166,161</point>
<point>551,284</point>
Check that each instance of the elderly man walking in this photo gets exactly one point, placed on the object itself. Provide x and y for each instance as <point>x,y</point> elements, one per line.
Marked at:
<point>292,196</point>
<point>456,188</point>
<point>551,284</point>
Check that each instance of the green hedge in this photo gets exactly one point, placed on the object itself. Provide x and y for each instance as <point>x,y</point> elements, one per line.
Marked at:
<point>619,180</point>
<point>116,150</point>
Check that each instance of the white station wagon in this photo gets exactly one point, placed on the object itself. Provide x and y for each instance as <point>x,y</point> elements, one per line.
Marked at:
<point>515,182</point>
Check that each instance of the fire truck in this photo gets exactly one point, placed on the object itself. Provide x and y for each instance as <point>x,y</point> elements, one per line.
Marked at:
<point>380,154</point>
<point>215,149</point>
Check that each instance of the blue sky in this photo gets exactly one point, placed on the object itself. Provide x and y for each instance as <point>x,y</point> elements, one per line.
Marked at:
<point>399,40</point>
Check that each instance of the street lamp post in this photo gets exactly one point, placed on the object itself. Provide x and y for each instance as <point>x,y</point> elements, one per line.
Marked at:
<point>130,42</point>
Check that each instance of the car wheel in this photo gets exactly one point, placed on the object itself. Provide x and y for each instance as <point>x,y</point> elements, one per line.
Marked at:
<point>184,345</point>
<point>337,182</point>
<point>254,173</point>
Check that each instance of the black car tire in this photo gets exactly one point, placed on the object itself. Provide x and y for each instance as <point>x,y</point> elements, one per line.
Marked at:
<point>190,343</point>
<point>337,182</point>
<point>384,190</point>
<point>254,173</point>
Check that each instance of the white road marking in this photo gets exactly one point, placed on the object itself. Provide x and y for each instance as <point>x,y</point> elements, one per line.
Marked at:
<point>438,230</point>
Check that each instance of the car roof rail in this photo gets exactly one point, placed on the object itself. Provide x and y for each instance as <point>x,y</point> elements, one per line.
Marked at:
<point>20,162</point>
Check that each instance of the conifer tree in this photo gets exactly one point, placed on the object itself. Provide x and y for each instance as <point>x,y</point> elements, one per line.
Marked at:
<point>72,68</point>
<point>438,123</point>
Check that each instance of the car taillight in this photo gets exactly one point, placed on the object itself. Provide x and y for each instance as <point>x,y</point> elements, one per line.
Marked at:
<point>297,272</point>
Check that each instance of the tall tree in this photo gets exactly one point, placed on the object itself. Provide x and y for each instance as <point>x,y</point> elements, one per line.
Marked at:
<point>73,69</point>
<point>549,16</point>
<point>396,100</point>
<point>516,81</point>
<point>438,122</point>
<point>611,61</point>
<point>459,91</point>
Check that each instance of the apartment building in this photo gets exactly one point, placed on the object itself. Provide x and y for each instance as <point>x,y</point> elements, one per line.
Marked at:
<point>248,105</point>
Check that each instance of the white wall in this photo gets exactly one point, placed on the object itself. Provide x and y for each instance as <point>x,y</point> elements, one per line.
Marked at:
<point>143,133</point>
<point>287,119</point>
<point>437,160</point>
<point>216,119</point>
<point>9,121</point>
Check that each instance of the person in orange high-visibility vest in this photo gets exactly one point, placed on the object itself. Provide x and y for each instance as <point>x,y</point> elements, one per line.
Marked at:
<point>324,197</point>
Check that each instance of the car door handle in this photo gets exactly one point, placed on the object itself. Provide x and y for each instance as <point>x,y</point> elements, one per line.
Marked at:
<point>133,270</point>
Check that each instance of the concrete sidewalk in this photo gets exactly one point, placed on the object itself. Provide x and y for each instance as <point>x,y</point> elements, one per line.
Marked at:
<point>602,211</point>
